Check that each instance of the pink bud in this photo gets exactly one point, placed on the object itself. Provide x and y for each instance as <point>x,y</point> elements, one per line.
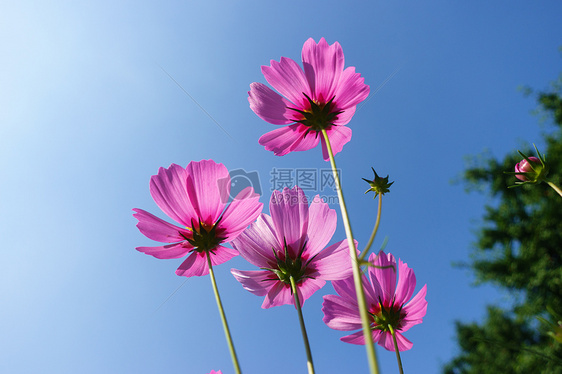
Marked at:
<point>525,167</point>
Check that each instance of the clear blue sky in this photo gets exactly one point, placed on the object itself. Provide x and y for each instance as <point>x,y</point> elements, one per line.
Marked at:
<point>87,115</point>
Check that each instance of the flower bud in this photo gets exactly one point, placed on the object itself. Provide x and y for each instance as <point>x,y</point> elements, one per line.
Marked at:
<point>531,170</point>
<point>525,166</point>
<point>378,185</point>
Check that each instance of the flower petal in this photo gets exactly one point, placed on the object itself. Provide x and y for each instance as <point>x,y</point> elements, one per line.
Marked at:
<point>289,138</point>
<point>168,189</point>
<point>288,79</point>
<point>345,116</point>
<point>323,64</point>
<point>346,289</point>
<point>417,307</point>
<point>339,136</point>
<point>257,282</point>
<point>406,283</point>
<point>339,314</point>
<point>350,90</point>
<point>307,139</point>
<point>307,288</point>
<point>196,264</point>
<point>384,274</point>
<point>255,244</point>
<point>157,229</point>
<point>208,188</point>
<point>279,294</point>
<point>176,250</point>
<point>269,105</point>
<point>387,342</point>
<point>322,224</point>
<point>333,263</point>
<point>238,215</point>
<point>359,339</point>
<point>289,211</point>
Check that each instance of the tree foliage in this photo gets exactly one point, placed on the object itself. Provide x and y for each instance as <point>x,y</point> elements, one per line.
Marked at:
<point>519,248</point>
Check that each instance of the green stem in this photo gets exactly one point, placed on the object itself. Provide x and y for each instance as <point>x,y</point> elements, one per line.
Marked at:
<point>223,317</point>
<point>555,187</point>
<point>374,233</point>
<point>396,349</point>
<point>309,363</point>
<point>357,276</point>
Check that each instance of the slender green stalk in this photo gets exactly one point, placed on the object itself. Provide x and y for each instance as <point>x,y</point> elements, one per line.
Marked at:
<point>309,363</point>
<point>396,349</point>
<point>555,187</point>
<point>223,317</point>
<point>374,233</point>
<point>362,304</point>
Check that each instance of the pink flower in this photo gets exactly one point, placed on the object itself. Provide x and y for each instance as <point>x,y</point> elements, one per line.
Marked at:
<point>525,167</point>
<point>291,242</point>
<point>323,96</point>
<point>387,303</point>
<point>215,372</point>
<point>196,197</point>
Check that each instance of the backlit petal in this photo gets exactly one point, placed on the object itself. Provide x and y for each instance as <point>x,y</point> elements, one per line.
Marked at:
<point>238,215</point>
<point>256,244</point>
<point>351,89</point>
<point>196,264</point>
<point>384,274</point>
<point>406,283</point>
<point>307,288</point>
<point>288,79</point>
<point>339,314</point>
<point>322,224</point>
<point>287,139</point>
<point>279,294</point>
<point>256,281</point>
<point>208,188</point>
<point>157,229</point>
<point>176,250</point>
<point>338,136</point>
<point>333,263</point>
<point>323,64</point>
<point>269,105</point>
<point>359,339</point>
<point>168,189</point>
<point>289,211</point>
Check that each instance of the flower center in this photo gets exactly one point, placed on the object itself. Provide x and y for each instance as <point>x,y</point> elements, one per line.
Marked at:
<point>205,237</point>
<point>320,115</point>
<point>287,267</point>
<point>383,317</point>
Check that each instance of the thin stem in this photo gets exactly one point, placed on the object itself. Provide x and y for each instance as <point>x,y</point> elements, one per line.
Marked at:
<point>357,276</point>
<point>555,187</point>
<point>396,349</point>
<point>223,317</point>
<point>309,363</point>
<point>374,233</point>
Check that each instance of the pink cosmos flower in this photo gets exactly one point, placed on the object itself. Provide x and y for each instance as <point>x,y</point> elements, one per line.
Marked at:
<point>525,167</point>
<point>387,303</point>
<point>215,372</point>
<point>291,242</point>
<point>323,96</point>
<point>196,197</point>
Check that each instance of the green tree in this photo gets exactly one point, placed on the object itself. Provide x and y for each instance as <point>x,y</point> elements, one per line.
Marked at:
<point>519,249</point>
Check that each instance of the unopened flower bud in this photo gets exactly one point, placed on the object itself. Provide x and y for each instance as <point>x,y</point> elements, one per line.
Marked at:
<point>531,170</point>
<point>378,185</point>
<point>525,166</point>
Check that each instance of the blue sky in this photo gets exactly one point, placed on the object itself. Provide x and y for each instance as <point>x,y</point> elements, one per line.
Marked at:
<point>88,114</point>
